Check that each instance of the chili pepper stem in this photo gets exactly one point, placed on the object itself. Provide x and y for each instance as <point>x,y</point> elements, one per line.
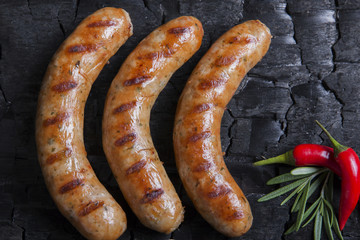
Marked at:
<point>338,148</point>
<point>286,158</point>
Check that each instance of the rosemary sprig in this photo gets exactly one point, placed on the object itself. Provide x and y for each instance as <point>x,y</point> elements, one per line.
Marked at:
<point>305,181</point>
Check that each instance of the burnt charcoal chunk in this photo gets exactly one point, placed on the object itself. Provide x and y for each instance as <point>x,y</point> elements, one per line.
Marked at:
<point>303,6</point>
<point>10,231</point>
<point>225,140</point>
<point>347,49</point>
<point>316,33</point>
<point>272,223</point>
<point>311,102</point>
<point>4,104</point>
<point>349,4</point>
<point>260,99</point>
<point>282,76</point>
<point>279,22</point>
<point>342,84</point>
<point>281,54</point>
<point>249,137</point>
<point>208,14</point>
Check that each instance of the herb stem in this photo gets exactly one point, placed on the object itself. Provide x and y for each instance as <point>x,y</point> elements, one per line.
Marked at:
<point>324,185</point>
<point>305,182</point>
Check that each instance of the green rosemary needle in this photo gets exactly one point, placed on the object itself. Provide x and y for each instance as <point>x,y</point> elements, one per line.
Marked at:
<point>304,183</point>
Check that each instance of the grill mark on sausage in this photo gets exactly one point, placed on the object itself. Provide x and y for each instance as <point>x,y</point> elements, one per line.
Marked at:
<point>224,61</point>
<point>219,191</point>
<point>136,167</point>
<point>124,107</point>
<point>236,216</point>
<point>131,137</point>
<point>90,207</point>
<point>65,153</point>
<point>202,167</point>
<point>202,107</point>
<point>151,56</point>
<point>169,51</point>
<point>79,48</point>
<point>105,23</point>
<point>151,196</point>
<point>71,185</point>
<point>58,118</point>
<point>199,136</point>
<point>212,83</point>
<point>242,40</point>
<point>178,30</point>
<point>136,81</point>
<point>64,86</point>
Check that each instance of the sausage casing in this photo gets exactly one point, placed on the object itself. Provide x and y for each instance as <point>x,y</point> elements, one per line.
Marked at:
<point>72,183</point>
<point>197,144</point>
<point>126,132</point>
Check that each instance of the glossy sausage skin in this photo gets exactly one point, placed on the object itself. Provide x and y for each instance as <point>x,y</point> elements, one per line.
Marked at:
<point>72,183</point>
<point>197,144</point>
<point>126,133</point>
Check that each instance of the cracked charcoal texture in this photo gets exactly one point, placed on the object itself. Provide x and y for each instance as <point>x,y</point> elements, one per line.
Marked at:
<point>310,72</point>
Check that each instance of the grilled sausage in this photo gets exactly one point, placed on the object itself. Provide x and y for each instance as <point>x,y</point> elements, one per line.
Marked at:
<point>126,133</point>
<point>72,183</point>
<point>197,144</point>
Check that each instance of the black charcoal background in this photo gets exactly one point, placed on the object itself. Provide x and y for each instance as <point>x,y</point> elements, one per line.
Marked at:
<point>311,72</point>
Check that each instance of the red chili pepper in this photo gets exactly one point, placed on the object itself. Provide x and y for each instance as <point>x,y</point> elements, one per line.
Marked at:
<point>306,155</point>
<point>349,164</point>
